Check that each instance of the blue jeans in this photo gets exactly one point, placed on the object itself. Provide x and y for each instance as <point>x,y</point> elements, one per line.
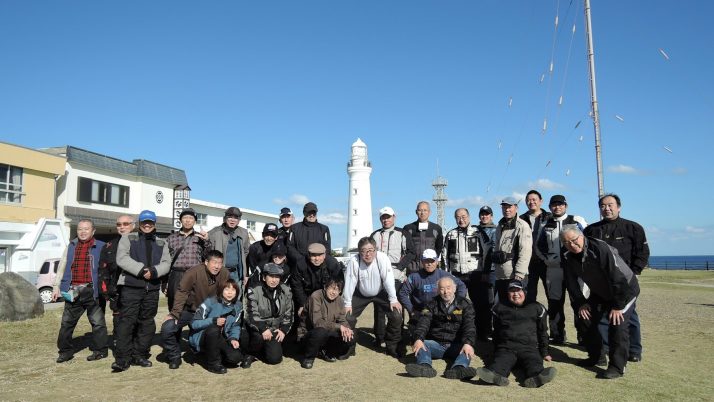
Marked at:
<point>437,350</point>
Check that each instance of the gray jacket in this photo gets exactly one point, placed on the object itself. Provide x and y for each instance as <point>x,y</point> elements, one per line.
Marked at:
<point>260,313</point>
<point>514,238</point>
<point>219,238</point>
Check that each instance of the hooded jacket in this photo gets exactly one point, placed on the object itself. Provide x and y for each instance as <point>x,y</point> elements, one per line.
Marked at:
<point>208,313</point>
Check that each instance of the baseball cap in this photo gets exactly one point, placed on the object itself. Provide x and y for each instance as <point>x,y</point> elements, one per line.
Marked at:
<point>147,215</point>
<point>309,207</point>
<point>286,211</point>
<point>515,284</point>
<point>235,211</point>
<point>188,211</point>
<point>386,211</point>
<point>278,249</point>
<point>316,248</point>
<point>557,199</point>
<point>270,228</point>
<point>485,210</point>
<point>272,269</point>
<point>429,254</point>
<point>509,201</point>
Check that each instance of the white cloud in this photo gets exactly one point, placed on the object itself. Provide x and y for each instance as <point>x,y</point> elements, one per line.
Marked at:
<point>295,199</point>
<point>624,169</point>
<point>473,200</point>
<point>545,184</point>
<point>335,218</point>
<point>692,229</point>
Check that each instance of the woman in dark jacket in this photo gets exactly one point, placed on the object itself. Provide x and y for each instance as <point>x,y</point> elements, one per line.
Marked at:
<point>215,329</point>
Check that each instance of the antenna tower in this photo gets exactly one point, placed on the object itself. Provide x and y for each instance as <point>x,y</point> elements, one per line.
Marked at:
<point>440,196</point>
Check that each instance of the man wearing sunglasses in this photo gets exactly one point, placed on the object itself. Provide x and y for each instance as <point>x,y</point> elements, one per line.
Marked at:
<point>108,270</point>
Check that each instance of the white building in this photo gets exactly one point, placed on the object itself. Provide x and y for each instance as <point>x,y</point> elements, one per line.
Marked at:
<point>359,213</point>
<point>210,214</point>
<point>100,188</point>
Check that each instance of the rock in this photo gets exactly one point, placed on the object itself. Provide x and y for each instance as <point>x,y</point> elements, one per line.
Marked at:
<point>19,299</point>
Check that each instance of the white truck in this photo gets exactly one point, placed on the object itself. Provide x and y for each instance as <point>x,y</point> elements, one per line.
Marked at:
<point>37,255</point>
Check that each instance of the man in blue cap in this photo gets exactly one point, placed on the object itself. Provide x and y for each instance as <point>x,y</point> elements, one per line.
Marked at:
<point>143,259</point>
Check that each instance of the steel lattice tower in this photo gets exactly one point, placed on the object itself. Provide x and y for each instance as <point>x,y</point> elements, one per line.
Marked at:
<point>440,198</point>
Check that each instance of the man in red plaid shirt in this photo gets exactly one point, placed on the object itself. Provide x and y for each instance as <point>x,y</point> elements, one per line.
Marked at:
<point>78,282</point>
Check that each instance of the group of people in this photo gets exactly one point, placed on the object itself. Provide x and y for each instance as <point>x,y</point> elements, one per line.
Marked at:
<point>476,283</point>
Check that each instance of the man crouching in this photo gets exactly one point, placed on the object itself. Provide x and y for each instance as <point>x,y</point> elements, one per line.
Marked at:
<point>445,330</point>
<point>329,335</point>
<point>521,338</point>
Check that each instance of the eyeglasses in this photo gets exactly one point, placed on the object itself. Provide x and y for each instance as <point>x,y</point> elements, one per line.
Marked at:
<point>148,223</point>
<point>367,251</point>
<point>571,242</point>
<point>120,224</point>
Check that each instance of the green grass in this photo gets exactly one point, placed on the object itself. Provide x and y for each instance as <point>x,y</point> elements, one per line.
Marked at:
<point>676,309</point>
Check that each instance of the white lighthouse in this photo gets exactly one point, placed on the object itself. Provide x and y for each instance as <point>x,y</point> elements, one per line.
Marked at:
<point>359,215</point>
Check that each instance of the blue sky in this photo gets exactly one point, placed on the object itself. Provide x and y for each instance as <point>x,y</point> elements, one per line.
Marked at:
<point>259,102</point>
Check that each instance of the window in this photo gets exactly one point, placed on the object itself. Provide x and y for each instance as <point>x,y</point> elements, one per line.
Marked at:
<point>10,184</point>
<point>250,225</point>
<point>201,219</point>
<point>354,212</point>
<point>354,191</point>
<point>100,192</point>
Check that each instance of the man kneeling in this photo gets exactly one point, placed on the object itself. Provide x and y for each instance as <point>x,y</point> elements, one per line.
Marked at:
<point>329,334</point>
<point>445,330</point>
<point>521,337</point>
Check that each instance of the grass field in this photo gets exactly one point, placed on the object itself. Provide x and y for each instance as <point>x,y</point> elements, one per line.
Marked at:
<point>676,309</point>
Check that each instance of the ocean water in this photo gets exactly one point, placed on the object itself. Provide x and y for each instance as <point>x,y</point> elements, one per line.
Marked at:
<point>694,262</point>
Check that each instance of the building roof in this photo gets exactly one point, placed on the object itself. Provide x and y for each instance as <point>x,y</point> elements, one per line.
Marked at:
<point>138,167</point>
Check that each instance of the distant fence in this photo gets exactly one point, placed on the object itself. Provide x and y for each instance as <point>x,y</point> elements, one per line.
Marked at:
<point>683,264</point>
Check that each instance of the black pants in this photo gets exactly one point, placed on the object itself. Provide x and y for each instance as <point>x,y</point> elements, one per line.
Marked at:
<point>506,358</point>
<point>393,333</point>
<point>271,351</point>
<point>174,279</point>
<point>481,296</point>
<point>618,336</point>
<point>536,271</point>
<point>380,317</point>
<point>556,316</point>
<point>73,311</point>
<point>171,334</point>
<point>217,348</point>
<point>136,327</point>
<point>330,340</point>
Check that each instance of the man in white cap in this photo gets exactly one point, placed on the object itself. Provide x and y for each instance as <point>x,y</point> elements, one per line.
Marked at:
<point>391,240</point>
<point>420,287</point>
<point>512,247</point>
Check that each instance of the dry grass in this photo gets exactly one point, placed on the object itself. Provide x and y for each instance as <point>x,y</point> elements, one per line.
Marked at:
<point>676,308</point>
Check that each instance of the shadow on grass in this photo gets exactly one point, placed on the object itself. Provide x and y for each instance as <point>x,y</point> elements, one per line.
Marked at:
<point>701,304</point>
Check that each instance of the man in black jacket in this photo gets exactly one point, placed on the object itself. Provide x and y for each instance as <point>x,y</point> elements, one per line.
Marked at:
<point>144,259</point>
<point>536,217</point>
<point>424,235</point>
<point>612,292</point>
<point>109,271</point>
<point>629,239</point>
<point>312,273</point>
<point>521,338</point>
<point>259,253</point>
<point>307,232</point>
<point>445,329</point>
